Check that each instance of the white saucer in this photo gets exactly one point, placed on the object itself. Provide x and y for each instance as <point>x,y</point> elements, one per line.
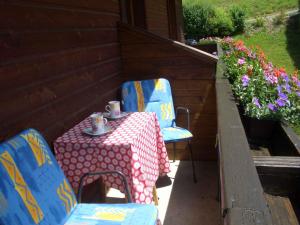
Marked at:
<point>89,131</point>
<point>107,115</point>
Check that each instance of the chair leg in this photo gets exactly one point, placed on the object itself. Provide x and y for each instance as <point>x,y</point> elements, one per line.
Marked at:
<point>174,151</point>
<point>193,165</point>
<point>155,198</point>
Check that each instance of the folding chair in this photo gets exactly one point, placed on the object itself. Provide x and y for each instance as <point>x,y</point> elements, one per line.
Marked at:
<point>34,190</point>
<point>156,96</point>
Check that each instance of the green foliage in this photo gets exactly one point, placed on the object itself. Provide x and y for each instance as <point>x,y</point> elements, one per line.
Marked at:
<point>238,18</point>
<point>259,23</point>
<point>197,20</point>
<point>203,20</point>
<point>252,8</point>
<point>221,24</point>
<point>297,129</point>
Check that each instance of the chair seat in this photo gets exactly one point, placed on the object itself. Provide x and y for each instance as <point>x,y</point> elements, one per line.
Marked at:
<point>173,134</point>
<point>116,214</point>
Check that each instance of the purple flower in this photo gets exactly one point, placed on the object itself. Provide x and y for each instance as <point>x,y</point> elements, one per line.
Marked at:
<point>298,93</point>
<point>283,96</point>
<point>245,80</point>
<point>241,61</point>
<point>271,107</point>
<point>288,88</point>
<point>255,101</point>
<point>285,77</point>
<point>279,89</point>
<point>280,102</point>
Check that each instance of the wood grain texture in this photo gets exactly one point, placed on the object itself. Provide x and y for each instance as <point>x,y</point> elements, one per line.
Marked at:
<point>282,210</point>
<point>157,17</point>
<point>179,20</point>
<point>277,161</point>
<point>192,78</point>
<point>242,200</point>
<point>59,62</point>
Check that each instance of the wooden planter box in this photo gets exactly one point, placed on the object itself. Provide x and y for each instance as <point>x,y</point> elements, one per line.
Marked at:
<point>210,48</point>
<point>270,138</point>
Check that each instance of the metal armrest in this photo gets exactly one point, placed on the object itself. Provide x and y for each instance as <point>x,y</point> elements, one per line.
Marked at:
<point>187,111</point>
<point>104,173</point>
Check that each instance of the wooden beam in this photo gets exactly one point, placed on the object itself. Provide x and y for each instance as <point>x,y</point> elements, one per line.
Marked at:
<point>277,161</point>
<point>209,58</point>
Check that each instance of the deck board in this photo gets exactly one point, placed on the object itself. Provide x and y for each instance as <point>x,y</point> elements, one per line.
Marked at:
<point>281,210</point>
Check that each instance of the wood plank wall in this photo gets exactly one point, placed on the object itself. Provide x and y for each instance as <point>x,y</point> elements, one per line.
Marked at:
<point>146,56</point>
<point>179,20</point>
<point>157,17</point>
<point>59,62</point>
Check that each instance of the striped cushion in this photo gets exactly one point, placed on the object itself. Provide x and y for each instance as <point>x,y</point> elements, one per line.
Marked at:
<point>150,96</point>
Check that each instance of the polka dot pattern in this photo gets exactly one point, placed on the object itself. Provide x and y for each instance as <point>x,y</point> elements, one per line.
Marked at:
<point>135,147</point>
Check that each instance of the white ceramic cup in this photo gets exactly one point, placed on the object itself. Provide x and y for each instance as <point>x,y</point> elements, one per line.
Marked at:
<point>98,122</point>
<point>113,108</point>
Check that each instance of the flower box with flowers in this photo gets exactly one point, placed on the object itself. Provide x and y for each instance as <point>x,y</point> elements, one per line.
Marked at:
<point>265,94</point>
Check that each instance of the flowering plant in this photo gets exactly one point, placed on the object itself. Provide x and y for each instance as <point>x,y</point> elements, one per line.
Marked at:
<point>264,91</point>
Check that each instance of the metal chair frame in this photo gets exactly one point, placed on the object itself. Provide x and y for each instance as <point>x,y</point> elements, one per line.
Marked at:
<point>186,110</point>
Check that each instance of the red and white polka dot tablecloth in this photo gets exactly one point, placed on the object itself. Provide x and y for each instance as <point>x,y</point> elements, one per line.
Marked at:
<point>135,147</point>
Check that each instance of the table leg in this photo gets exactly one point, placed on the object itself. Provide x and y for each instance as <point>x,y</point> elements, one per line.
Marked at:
<point>155,198</point>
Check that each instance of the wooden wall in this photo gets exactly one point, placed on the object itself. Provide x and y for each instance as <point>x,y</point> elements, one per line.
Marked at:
<point>157,17</point>
<point>179,20</point>
<point>192,77</point>
<point>59,62</point>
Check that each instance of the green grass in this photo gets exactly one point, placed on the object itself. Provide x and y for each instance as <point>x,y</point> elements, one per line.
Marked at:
<point>274,45</point>
<point>252,7</point>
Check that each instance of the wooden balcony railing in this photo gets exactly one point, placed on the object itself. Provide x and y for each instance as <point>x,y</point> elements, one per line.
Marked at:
<point>242,199</point>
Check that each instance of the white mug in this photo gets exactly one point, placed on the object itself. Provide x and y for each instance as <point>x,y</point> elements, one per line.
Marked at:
<point>98,122</point>
<point>113,108</point>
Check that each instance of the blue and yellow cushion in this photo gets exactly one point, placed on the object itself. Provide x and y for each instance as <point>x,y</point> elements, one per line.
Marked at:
<point>33,188</point>
<point>32,185</point>
<point>150,96</point>
<point>175,134</point>
<point>116,214</point>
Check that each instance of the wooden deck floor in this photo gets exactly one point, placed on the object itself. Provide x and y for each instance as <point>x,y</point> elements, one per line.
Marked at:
<point>181,201</point>
<point>185,202</point>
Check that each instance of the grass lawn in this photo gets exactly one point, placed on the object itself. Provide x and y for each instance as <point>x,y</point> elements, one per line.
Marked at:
<point>252,7</point>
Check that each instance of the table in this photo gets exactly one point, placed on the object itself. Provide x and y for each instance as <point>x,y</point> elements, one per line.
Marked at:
<point>135,147</point>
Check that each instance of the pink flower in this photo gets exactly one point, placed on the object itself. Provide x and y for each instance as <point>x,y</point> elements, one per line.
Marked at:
<point>241,61</point>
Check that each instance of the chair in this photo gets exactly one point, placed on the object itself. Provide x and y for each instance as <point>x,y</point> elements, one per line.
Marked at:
<point>34,190</point>
<point>156,96</point>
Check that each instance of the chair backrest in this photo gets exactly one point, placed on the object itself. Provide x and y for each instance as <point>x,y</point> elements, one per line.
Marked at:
<point>33,188</point>
<point>150,96</point>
